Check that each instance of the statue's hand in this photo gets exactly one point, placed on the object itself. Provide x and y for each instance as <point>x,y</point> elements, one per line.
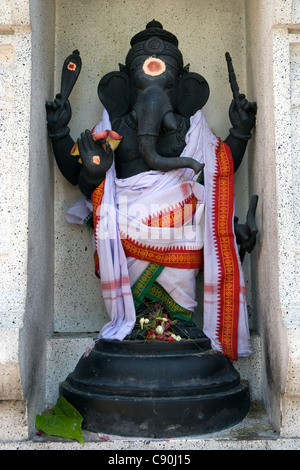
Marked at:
<point>96,156</point>
<point>242,114</point>
<point>58,115</point>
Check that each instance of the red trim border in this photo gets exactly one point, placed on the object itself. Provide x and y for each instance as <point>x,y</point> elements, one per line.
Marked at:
<point>228,268</point>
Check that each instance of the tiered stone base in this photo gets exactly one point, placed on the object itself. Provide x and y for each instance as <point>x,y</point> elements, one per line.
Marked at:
<point>156,389</point>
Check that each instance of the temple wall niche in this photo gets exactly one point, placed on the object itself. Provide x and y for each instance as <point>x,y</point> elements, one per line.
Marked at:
<point>263,39</point>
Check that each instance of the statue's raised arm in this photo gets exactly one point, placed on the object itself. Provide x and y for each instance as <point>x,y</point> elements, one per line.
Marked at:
<point>242,114</point>
<point>87,165</point>
<point>58,117</point>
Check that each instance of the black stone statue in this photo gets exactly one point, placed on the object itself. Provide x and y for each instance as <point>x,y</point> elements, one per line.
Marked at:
<point>150,102</point>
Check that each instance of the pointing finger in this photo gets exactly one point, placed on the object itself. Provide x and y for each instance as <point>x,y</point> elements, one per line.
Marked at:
<point>89,139</point>
<point>84,142</point>
<point>80,147</point>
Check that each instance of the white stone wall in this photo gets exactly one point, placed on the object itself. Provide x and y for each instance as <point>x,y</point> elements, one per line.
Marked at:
<point>273,55</point>
<point>26,210</point>
<point>15,70</point>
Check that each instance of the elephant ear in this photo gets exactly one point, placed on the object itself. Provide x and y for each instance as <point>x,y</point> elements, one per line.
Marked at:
<point>114,93</point>
<point>193,93</point>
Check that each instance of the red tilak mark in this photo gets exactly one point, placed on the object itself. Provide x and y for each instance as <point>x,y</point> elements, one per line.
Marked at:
<point>71,66</point>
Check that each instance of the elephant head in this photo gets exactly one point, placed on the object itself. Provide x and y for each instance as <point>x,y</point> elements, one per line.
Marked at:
<point>152,87</point>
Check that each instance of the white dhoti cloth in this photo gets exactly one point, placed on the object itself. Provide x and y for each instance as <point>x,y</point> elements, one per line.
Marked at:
<point>130,235</point>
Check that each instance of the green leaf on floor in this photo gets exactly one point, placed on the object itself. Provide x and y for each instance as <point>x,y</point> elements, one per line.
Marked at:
<point>64,421</point>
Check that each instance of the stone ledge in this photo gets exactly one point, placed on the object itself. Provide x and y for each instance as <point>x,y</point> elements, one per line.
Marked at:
<point>292,385</point>
<point>160,445</point>
<point>12,29</point>
<point>10,384</point>
<point>255,432</point>
<point>13,423</point>
<point>290,424</point>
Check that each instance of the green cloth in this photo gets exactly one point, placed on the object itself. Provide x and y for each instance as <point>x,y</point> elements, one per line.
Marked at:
<point>146,286</point>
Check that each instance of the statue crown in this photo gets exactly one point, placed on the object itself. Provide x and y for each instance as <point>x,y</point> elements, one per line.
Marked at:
<point>154,28</point>
<point>154,41</point>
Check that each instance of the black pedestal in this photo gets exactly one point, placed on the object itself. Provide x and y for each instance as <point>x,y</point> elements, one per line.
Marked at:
<point>156,389</point>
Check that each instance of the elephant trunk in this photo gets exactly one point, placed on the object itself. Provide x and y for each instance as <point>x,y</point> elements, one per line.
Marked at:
<point>153,110</point>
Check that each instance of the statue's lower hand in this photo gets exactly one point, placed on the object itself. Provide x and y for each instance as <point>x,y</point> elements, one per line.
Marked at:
<point>242,114</point>
<point>58,115</point>
<point>96,156</point>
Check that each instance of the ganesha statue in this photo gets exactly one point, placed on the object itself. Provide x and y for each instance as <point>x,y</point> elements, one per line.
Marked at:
<point>157,184</point>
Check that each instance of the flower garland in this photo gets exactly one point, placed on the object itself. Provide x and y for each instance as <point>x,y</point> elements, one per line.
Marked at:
<point>157,324</point>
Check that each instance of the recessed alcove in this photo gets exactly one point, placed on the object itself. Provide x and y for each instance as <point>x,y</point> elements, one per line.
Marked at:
<point>78,303</point>
<point>205,32</point>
